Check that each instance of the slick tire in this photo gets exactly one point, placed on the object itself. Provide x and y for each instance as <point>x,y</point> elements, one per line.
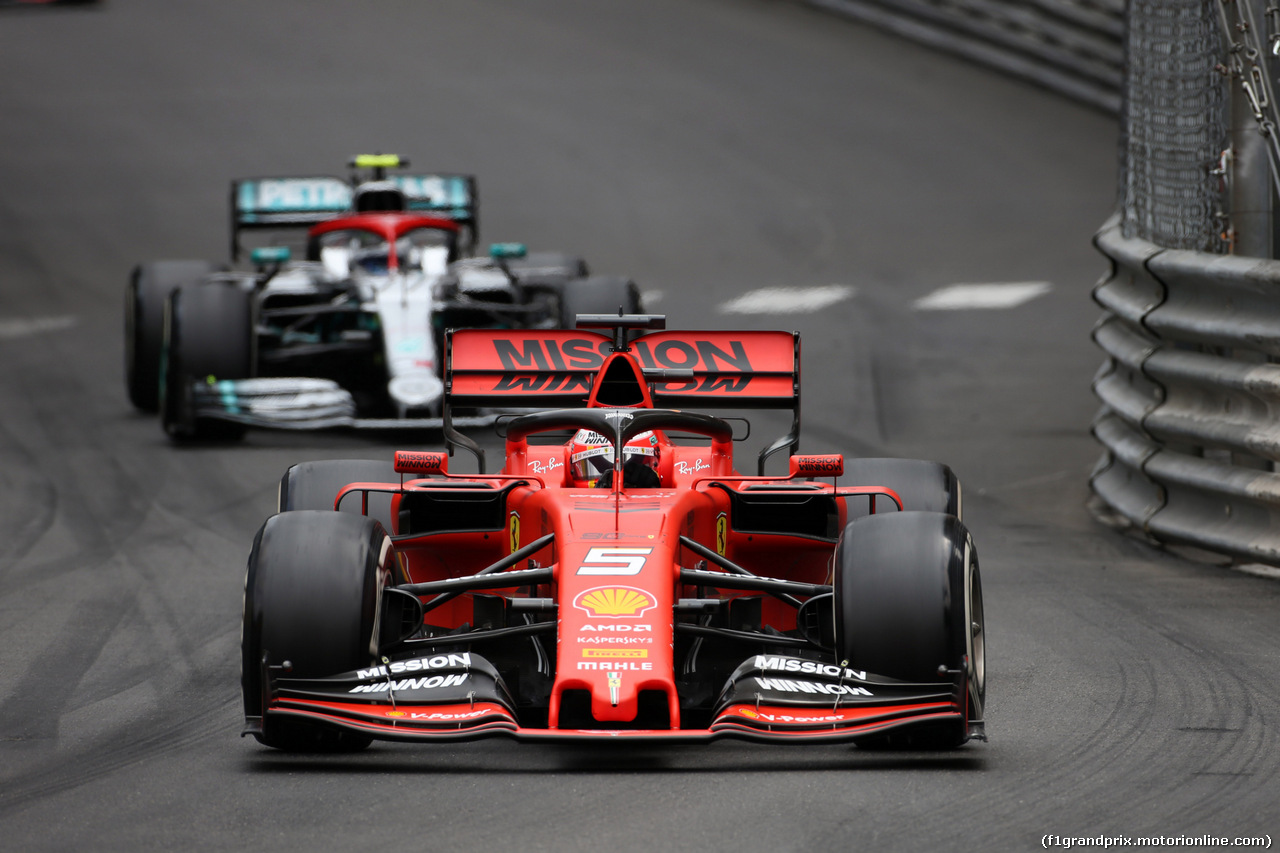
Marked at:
<point>311,596</point>
<point>208,333</point>
<point>923,486</point>
<point>908,606</point>
<point>314,485</point>
<point>597,295</point>
<point>149,286</point>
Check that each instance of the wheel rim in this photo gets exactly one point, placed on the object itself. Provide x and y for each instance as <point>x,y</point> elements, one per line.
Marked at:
<point>976,643</point>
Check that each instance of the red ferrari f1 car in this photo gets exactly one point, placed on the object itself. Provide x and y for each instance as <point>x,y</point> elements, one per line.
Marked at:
<point>618,577</point>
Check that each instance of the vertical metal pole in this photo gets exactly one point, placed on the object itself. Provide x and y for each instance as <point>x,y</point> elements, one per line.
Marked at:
<point>1252,193</point>
<point>1268,18</point>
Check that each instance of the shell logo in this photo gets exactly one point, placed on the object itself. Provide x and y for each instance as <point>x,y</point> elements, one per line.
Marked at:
<point>747,712</point>
<point>614,602</point>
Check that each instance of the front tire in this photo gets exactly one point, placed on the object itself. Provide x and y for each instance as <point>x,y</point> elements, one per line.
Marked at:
<point>208,334</point>
<point>149,286</point>
<point>311,599</point>
<point>908,606</point>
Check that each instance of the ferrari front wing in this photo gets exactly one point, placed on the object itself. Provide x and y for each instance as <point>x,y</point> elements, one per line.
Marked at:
<point>769,698</point>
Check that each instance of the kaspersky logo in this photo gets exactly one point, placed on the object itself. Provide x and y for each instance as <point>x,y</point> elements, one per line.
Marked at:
<point>614,602</point>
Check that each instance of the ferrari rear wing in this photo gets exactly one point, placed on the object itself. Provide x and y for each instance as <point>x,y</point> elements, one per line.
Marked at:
<point>299,202</point>
<point>557,368</point>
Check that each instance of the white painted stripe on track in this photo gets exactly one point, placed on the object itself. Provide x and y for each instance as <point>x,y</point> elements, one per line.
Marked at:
<point>1258,569</point>
<point>965,297</point>
<point>788,300</point>
<point>15,328</point>
<point>650,297</point>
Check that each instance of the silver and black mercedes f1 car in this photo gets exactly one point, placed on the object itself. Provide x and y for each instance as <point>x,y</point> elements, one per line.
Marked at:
<point>343,326</point>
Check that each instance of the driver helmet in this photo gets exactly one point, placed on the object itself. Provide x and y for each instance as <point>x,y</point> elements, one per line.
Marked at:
<point>378,196</point>
<point>375,260</point>
<point>591,456</point>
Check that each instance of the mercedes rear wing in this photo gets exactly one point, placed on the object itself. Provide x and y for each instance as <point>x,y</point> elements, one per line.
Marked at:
<point>558,368</point>
<point>300,202</point>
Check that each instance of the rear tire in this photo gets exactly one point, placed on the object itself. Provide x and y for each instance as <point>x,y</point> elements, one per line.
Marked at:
<point>312,590</point>
<point>149,286</point>
<point>314,485</point>
<point>208,332</point>
<point>597,295</point>
<point>908,604</point>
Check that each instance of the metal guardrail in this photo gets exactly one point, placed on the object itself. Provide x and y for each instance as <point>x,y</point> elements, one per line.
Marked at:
<point>1074,47</point>
<point>1190,390</point>
<point>1191,396</point>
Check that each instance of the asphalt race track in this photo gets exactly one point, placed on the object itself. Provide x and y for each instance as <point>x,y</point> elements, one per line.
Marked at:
<point>710,149</point>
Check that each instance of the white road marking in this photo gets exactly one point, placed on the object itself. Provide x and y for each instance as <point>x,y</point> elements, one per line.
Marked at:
<point>650,297</point>
<point>11,329</point>
<point>961,297</point>
<point>788,300</point>
<point>1259,570</point>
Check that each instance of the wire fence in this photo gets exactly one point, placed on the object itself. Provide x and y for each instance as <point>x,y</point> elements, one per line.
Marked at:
<point>1173,126</point>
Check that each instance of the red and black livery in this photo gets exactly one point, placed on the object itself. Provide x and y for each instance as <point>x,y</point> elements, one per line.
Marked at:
<point>836,601</point>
